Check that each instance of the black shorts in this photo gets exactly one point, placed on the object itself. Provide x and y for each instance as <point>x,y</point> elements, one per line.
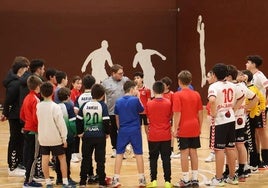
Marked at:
<point>55,150</point>
<point>191,142</point>
<point>224,136</point>
<point>240,135</point>
<point>256,122</point>
<point>143,119</point>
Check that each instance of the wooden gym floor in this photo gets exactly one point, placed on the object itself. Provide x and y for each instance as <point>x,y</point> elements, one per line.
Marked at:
<point>128,176</point>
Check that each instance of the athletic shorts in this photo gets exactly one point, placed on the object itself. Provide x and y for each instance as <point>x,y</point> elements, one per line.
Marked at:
<point>224,136</point>
<point>133,138</point>
<point>192,142</point>
<point>143,119</point>
<point>256,122</point>
<point>240,135</point>
<point>55,150</point>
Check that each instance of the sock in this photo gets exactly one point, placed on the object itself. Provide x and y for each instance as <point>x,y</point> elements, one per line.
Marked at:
<point>264,156</point>
<point>172,149</point>
<point>226,169</point>
<point>185,176</point>
<point>141,176</point>
<point>241,169</point>
<point>258,158</point>
<point>48,181</point>
<point>194,174</point>
<point>65,181</point>
<point>116,176</point>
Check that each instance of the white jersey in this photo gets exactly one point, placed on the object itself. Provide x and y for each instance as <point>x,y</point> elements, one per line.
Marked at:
<point>226,94</point>
<point>260,81</point>
<point>240,113</point>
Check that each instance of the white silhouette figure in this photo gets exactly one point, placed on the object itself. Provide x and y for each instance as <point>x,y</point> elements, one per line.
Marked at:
<point>143,56</point>
<point>98,59</point>
<point>201,31</point>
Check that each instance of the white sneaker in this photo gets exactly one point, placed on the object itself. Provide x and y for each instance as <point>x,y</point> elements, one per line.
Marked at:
<point>75,158</point>
<point>113,153</point>
<point>210,158</point>
<point>16,172</point>
<point>215,182</point>
<point>175,156</point>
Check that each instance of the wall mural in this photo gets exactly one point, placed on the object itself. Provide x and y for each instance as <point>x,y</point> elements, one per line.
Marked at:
<point>201,31</point>
<point>143,57</point>
<point>98,59</point>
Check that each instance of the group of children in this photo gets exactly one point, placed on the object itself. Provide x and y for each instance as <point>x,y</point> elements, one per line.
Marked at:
<point>56,118</point>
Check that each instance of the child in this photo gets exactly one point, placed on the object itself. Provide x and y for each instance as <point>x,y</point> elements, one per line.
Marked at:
<point>255,122</point>
<point>159,111</point>
<point>69,117</point>
<point>188,117</point>
<point>28,116</point>
<point>224,98</point>
<point>127,109</point>
<point>93,126</point>
<point>76,88</point>
<point>168,94</point>
<point>145,96</point>
<point>52,133</point>
<point>62,81</point>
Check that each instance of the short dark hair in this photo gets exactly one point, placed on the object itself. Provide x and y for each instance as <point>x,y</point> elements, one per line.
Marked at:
<point>249,75</point>
<point>232,71</point>
<point>35,64</point>
<point>46,89</point>
<point>97,91</point>
<point>185,77</point>
<point>19,62</point>
<point>166,80</point>
<point>33,82</point>
<point>256,59</point>
<point>220,71</point>
<point>140,74</point>
<point>128,85</point>
<point>158,87</point>
<point>64,93</point>
<point>50,73</point>
<point>88,81</point>
<point>115,68</point>
<point>60,75</point>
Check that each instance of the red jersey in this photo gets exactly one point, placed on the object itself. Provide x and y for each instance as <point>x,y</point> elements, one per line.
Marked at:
<point>159,113</point>
<point>28,111</point>
<point>145,95</point>
<point>188,103</point>
<point>74,94</point>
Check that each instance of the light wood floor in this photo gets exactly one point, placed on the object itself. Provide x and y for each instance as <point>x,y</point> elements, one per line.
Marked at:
<point>128,172</point>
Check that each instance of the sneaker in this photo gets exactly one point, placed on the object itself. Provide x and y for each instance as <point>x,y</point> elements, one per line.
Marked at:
<point>175,156</point>
<point>108,180</point>
<point>75,158</point>
<point>49,186</point>
<point>182,183</point>
<point>225,175</point>
<point>82,184</point>
<point>59,182</point>
<point>113,153</point>
<point>168,184</point>
<point>253,169</point>
<point>142,181</point>
<point>31,184</point>
<point>115,182</point>
<point>72,182</point>
<point>232,181</point>
<point>93,179</point>
<point>215,182</point>
<point>68,186</point>
<point>39,178</point>
<point>16,173</point>
<point>195,183</point>
<point>263,166</point>
<point>21,167</point>
<point>152,184</point>
<point>210,158</point>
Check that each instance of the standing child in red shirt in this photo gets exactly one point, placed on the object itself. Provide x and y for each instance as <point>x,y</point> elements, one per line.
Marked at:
<point>76,88</point>
<point>145,96</point>
<point>159,111</point>
<point>188,117</point>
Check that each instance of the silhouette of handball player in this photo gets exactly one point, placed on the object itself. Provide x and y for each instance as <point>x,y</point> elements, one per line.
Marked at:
<point>98,59</point>
<point>143,56</point>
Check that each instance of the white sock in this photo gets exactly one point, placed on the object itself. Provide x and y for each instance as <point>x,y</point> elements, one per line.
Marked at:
<point>141,176</point>
<point>65,181</point>
<point>48,181</point>
<point>185,176</point>
<point>116,176</point>
<point>195,174</point>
